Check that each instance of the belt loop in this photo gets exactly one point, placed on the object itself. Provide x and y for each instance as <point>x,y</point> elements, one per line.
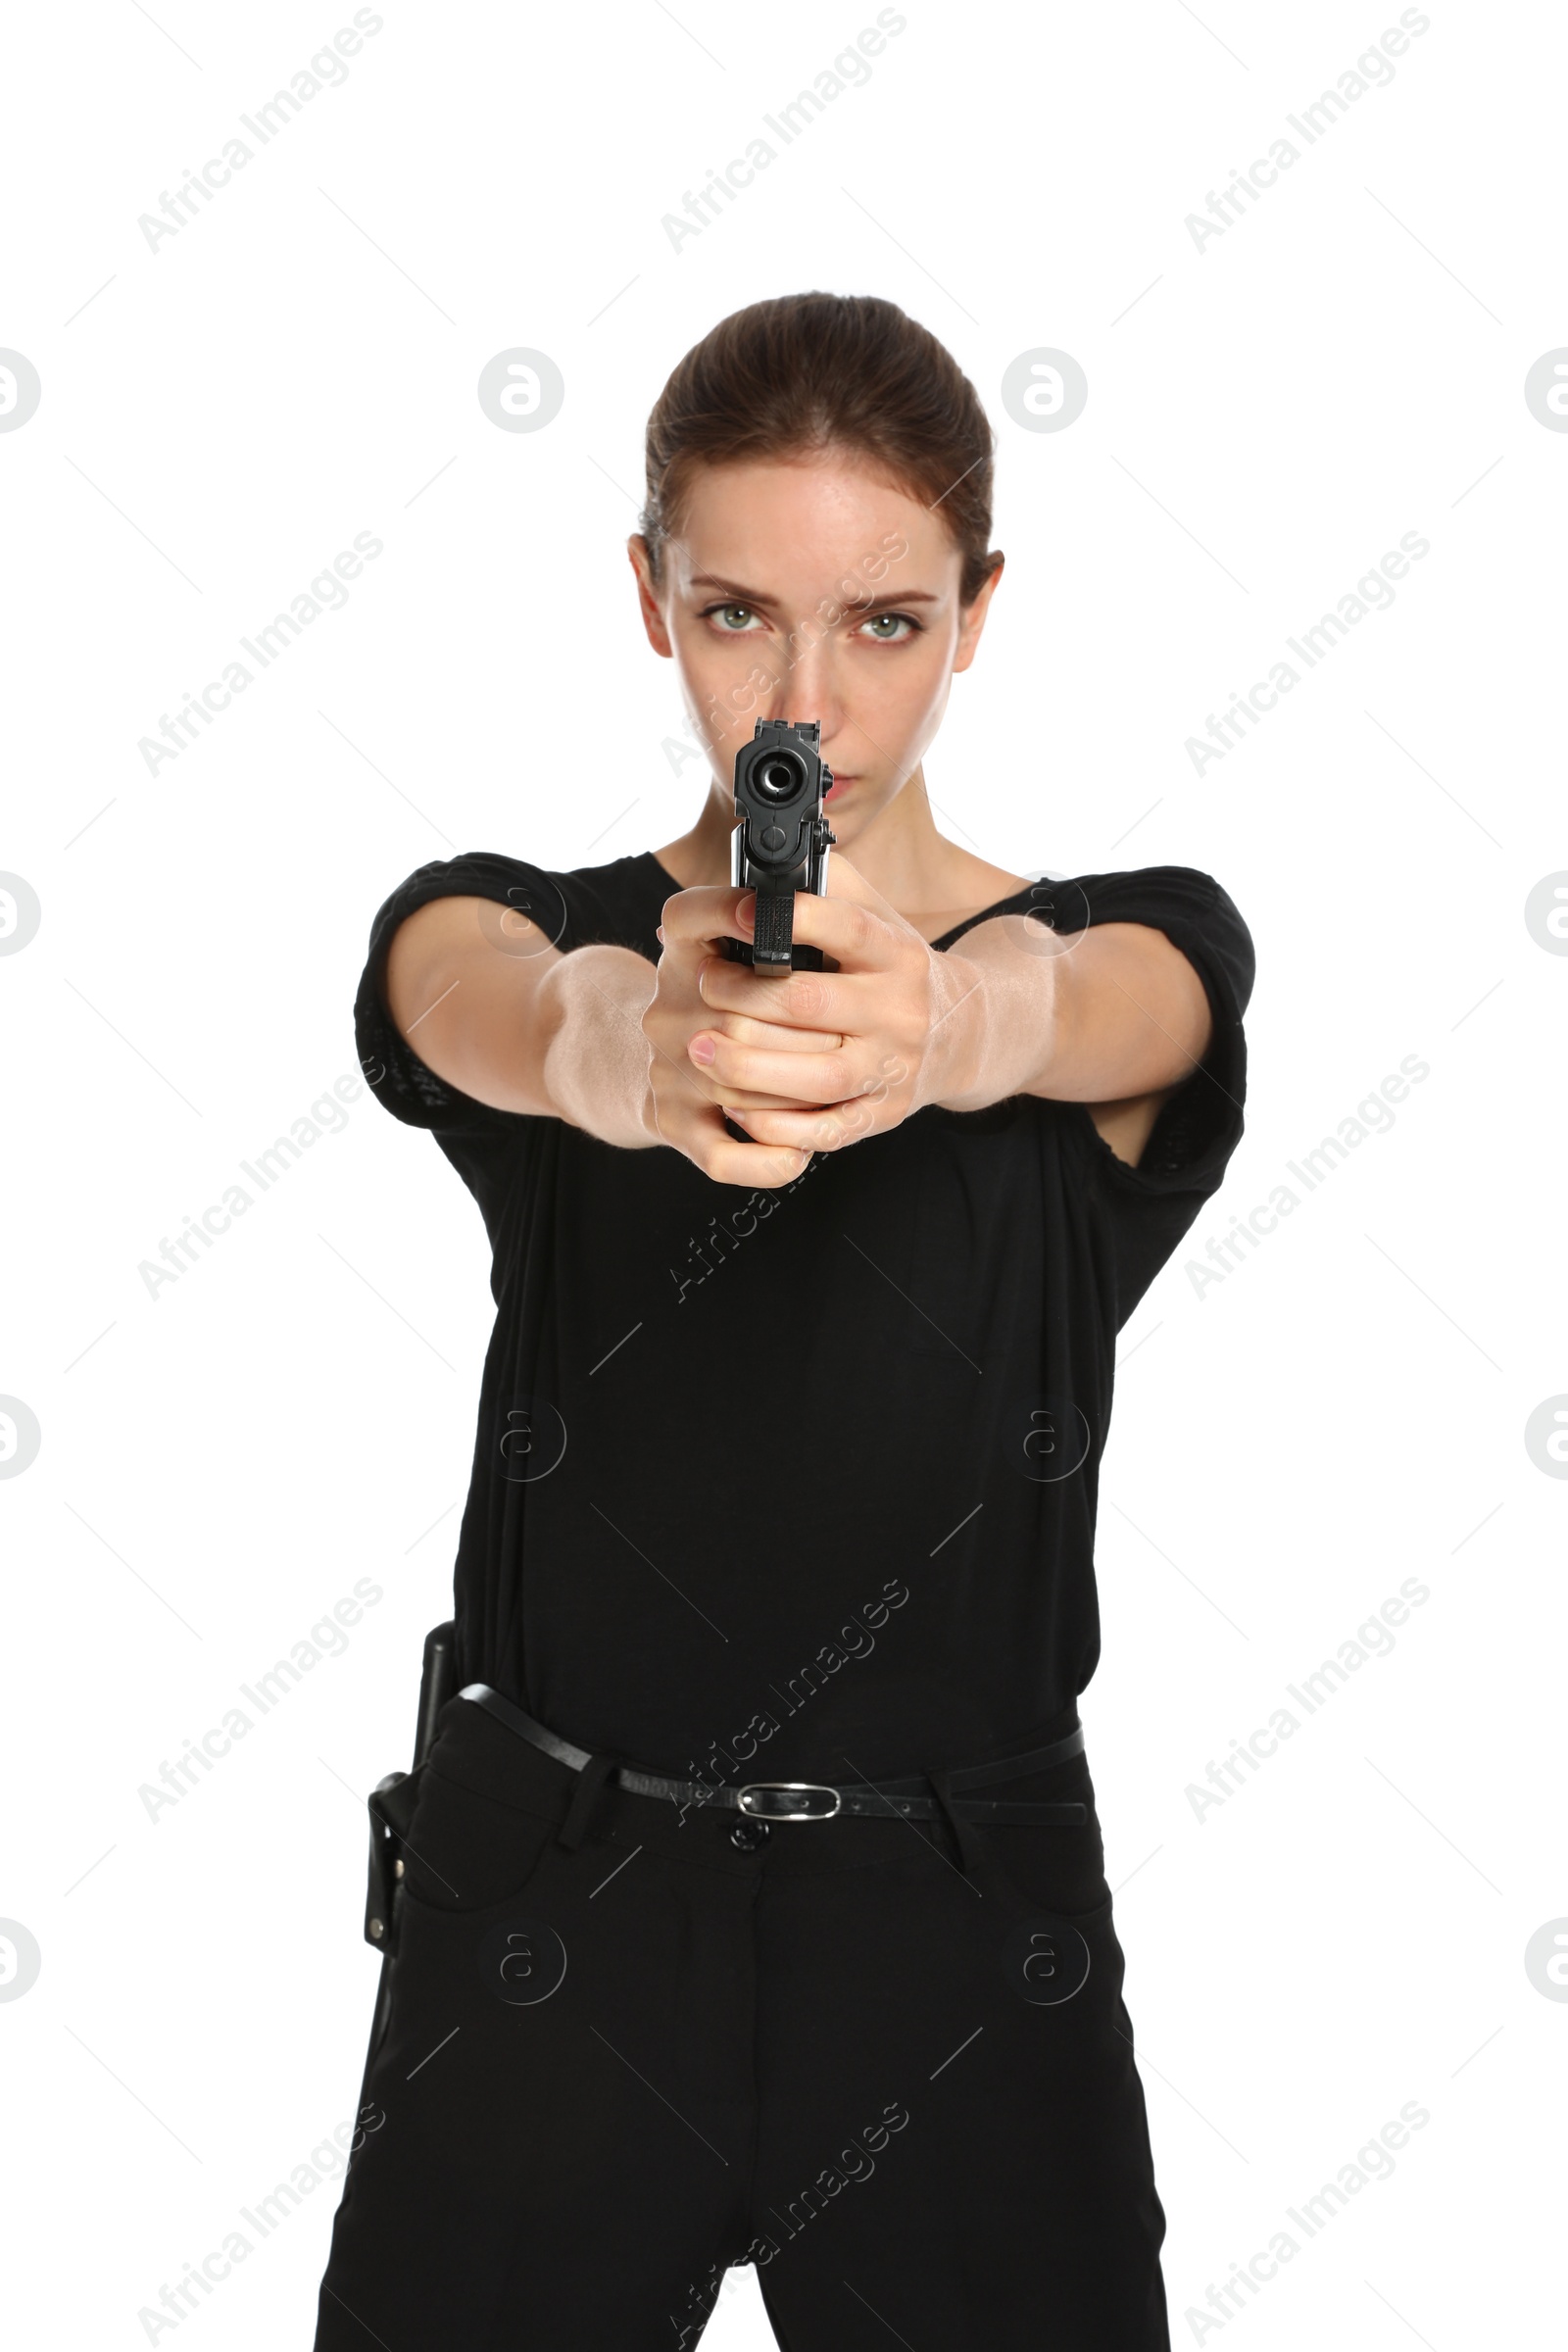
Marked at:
<point>969,1852</point>
<point>590,1781</point>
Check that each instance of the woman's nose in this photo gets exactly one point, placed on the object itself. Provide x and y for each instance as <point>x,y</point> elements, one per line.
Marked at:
<point>810,687</point>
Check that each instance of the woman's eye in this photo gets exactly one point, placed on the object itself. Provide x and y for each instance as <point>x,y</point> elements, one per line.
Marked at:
<point>735,620</point>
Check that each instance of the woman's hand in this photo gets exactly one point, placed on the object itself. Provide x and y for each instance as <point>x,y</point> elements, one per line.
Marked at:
<point>686,1102</point>
<point>820,1059</point>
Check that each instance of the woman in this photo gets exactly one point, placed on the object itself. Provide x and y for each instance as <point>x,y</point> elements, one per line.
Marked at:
<point>807,1290</point>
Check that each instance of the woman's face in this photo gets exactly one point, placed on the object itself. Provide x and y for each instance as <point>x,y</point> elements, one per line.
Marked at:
<point>808,588</point>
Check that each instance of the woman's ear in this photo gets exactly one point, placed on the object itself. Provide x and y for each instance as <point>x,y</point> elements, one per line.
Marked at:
<point>973,619</point>
<point>647,598</point>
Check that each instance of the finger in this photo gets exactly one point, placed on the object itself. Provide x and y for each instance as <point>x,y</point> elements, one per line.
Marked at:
<point>700,915</point>
<point>795,1003</point>
<point>740,1101</point>
<point>811,1077</point>
<point>698,1089</point>
<point>861,931</point>
<point>702,1085</point>
<point>825,1129</point>
<point>778,1040</point>
<point>688,1081</point>
<point>847,882</point>
<point>719,1156</point>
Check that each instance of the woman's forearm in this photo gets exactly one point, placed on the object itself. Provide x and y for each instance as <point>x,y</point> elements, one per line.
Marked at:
<point>596,1061</point>
<point>1096,1016</point>
<point>496,1012</point>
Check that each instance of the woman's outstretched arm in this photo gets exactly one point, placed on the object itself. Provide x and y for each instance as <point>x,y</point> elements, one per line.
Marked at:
<point>595,1036</point>
<point>519,1025</point>
<point>1116,1017</point>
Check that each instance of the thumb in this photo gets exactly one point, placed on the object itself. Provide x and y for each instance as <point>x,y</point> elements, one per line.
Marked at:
<point>845,881</point>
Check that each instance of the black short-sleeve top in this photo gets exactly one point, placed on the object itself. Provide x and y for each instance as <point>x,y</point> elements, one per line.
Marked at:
<point>765,1480</point>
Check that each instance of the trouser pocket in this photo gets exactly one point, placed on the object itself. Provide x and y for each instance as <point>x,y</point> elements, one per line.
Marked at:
<point>466,1850</point>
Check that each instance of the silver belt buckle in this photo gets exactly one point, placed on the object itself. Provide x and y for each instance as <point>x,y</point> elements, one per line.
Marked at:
<point>804,1813</point>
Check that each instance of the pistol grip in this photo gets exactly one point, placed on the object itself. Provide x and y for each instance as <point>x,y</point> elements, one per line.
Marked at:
<point>773,938</point>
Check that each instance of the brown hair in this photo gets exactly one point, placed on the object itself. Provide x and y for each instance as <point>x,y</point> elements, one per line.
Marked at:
<point>804,372</point>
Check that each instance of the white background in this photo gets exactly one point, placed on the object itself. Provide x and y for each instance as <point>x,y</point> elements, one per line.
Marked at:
<point>1347,1409</point>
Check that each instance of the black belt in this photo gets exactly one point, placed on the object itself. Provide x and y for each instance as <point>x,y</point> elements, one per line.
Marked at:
<point>770,1800</point>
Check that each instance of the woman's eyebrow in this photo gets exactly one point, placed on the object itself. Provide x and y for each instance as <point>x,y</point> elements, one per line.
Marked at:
<point>754,595</point>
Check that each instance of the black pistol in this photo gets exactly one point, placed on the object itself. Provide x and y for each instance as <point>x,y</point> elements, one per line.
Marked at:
<point>781,839</point>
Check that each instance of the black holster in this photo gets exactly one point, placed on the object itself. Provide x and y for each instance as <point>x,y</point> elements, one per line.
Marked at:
<point>391,1805</point>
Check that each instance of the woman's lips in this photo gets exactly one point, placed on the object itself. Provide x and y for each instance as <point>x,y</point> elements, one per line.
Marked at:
<point>837,784</point>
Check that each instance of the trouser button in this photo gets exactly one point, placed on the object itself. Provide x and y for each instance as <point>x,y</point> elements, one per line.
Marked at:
<point>749,1836</point>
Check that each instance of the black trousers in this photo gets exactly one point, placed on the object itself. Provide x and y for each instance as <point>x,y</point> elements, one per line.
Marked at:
<point>616,2064</point>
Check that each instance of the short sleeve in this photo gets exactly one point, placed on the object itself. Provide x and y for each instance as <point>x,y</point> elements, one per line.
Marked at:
<point>1148,1208</point>
<point>558,913</point>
